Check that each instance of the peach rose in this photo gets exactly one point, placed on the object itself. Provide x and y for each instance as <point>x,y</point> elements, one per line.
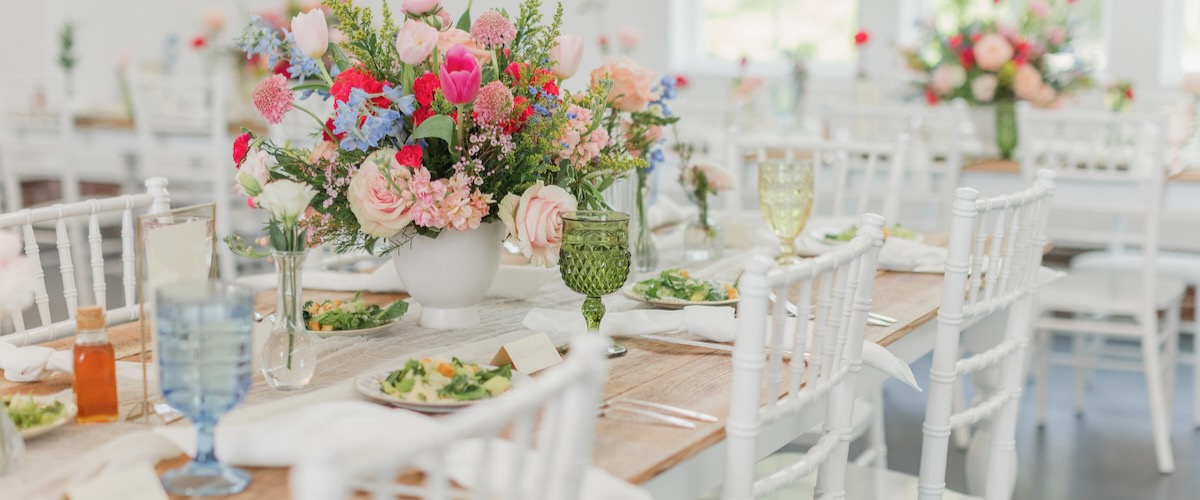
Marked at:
<point>1027,83</point>
<point>719,178</point>
<point>534,221</point>
<point>631,83</point>
<point>992,51</point>
<point>380,211</point>
<point>947,78</point>
<point>454,36</point>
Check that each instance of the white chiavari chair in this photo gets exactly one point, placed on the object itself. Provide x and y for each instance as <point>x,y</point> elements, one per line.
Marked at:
<point>1110,167</point>
<point>155,199</point>
<point>36,120</point>
<point>835,287</point>
<point>550,422</point>
<point>182,134</point>
<point>993,264</point>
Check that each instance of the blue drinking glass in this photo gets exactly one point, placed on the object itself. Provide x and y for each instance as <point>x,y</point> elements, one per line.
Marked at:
<point>204,352</point>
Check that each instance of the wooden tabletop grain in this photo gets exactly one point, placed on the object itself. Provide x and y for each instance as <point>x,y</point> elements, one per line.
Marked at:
<point>627,447</point>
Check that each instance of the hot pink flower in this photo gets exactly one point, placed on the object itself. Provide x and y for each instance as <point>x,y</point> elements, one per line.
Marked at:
<point>460,76</point>
<point>494,104</point>
<point>273,98</point>
<point>534,221</point>
<point>493,30</point>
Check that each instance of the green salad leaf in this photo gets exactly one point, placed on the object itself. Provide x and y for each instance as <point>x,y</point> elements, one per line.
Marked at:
<point>335,315</point>
<point>430,380</point>
<point>27,413</point>
<point>678,285</point>
<point>893,231</point>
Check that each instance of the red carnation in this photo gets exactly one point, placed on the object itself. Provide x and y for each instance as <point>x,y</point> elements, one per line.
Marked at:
<point>281,68</point>
<point>421,114</point>
<point>357,78</point>
<point>328,129</point>
<point>523,110</point>
<point>424,86</point>
<point>861,38</point>
<point>967,58</point>
<point>241,146</point>
<point>199,42</point>
<point>551,87</point>
<point>514,71</point>
<point>956,41</point>
<point>409,156</point>
<point>931,97</point>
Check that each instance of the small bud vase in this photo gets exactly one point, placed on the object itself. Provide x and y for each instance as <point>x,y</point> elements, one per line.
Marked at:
<point>289,357</point>
<point>702,240</point>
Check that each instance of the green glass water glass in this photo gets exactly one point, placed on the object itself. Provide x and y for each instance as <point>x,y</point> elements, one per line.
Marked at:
<point>594,260</point>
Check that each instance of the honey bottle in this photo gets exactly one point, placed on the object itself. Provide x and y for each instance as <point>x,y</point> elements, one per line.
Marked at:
<point>95,368</point>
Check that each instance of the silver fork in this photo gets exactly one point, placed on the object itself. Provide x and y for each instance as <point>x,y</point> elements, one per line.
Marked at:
<point>875,319</point>
<point>683,412</point>
<point>604,408</point>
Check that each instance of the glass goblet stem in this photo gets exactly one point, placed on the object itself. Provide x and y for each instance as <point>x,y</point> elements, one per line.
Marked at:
<point>593,311</point>
<point>204,443</point>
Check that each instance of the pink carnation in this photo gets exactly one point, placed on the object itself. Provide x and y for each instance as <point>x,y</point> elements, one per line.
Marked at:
<point>493,30</point>
<point>273,98</point>
<point>578,145</point>
<point>494,103</point>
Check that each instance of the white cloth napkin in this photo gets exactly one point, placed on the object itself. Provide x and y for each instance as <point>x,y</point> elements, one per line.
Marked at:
<point>714,323</point>
<point>666,211</point>
<point>898,254</point>
<point>597,483</point>
<point>32,363</point>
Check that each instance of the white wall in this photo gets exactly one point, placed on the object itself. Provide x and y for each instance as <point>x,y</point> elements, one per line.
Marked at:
<point>106,29</point>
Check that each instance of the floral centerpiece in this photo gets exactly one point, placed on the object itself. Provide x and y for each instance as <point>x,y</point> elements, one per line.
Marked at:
<point>994,63</point>
<point>445,137</point>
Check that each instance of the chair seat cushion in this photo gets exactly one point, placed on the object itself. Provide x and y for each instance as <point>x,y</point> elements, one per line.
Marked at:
<point>862,483</point>
<point>1110,292</point>
<point>1185,266</point>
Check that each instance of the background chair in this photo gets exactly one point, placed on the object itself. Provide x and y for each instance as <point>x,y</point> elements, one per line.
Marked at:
<point>1111,170</point>
<point>50,326</point>
<point>836,287</point>
<point>551,420</point>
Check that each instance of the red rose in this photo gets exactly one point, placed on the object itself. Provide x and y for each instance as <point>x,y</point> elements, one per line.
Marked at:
<point>424,86</point>
<point>681,81</point>
<point>931,97</point>
<point>861,38</point>
<point>357,78</point>
<point>409,156</point>
<point>199,42</point>
<point>967,58</point>
<point>241,146</point>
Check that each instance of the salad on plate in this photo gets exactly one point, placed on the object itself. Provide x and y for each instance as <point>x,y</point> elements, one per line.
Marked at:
<point>678,286</point>
<point>440,381</point>
<point>337,315</point>
<point>892,231</point>
<point>29,414</point>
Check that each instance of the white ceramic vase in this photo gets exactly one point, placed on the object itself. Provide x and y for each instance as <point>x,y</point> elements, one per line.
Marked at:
<point>450,274</point>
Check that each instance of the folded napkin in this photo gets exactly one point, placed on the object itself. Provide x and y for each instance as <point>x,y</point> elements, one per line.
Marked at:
<point>898,254</point>
<point>32,363</point>
<point>666,211</point>
<point>713,323</point>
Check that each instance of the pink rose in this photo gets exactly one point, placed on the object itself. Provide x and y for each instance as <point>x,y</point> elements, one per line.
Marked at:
<point>380,211</point>
<point>454,36</point>
<point>445,18</point>
<point>1027,83</point>
<point>992,51</point>
<point>416,41</point>
<point>719,178</point>
<point>418,7</point>
<point>983,88</point>
<point>947,77</point>
<point>534,221</point>
<point>631,83</point>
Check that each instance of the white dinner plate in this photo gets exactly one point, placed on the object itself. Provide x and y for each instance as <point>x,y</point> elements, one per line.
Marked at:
<point>361,331</point>
<point>67,415</point>
<point>369,385</point>
<point>818,233</point>
<point>675,303</point>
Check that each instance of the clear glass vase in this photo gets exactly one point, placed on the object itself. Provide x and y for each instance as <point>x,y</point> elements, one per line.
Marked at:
<point>702,240</point>
<point>289,357</point>
<point>645,254</point>
<point>1006,128</point>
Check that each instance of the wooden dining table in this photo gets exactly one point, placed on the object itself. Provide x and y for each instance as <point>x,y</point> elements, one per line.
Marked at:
<point>670,462</point>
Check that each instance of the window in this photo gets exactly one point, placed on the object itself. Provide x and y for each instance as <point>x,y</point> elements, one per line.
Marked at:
<point>1190,51</point>
<point>714,35</point>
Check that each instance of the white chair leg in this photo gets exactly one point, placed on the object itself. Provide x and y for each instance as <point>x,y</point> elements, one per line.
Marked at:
<point>1084,352</point>
<point>961,435</point>
<point>878,438</point>
<point>1171,359</point>
<point>1160,421</point>
<point>1042,380</point>
<point>1196,357</point>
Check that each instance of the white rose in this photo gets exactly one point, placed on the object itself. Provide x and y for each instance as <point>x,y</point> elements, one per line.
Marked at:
<point>254,173</point>
<point>286,199</point>
<point>984,88</point>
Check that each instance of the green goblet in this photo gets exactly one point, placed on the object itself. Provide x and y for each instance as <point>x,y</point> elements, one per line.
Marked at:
<point>594,260</point>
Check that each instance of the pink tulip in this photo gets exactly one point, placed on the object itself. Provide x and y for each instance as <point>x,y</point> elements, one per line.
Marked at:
<point>415,42</point>
<point>418,7</point>
<point>460,75</point>
<point>566,56</point>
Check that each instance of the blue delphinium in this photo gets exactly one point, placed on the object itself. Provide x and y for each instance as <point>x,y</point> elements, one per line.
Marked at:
<point>259,40</point>
<point>299,64</point>
<point>366,133</point>
<point>406,103</point>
